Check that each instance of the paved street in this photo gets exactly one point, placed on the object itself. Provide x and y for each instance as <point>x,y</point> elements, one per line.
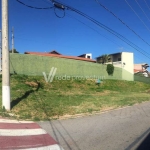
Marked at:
<point>121,129</point>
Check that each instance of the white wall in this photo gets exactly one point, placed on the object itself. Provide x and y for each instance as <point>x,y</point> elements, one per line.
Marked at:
<point>118,64</point>
<point>88,55</point>
<point>128,66</point>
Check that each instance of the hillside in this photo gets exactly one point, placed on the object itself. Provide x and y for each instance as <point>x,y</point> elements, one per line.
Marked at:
<point>33,98</point>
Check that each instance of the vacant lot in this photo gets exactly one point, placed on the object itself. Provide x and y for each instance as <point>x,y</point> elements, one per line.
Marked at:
<point>33,98</point>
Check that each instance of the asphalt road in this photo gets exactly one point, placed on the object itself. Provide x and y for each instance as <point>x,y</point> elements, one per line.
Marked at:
<point>121,129</point>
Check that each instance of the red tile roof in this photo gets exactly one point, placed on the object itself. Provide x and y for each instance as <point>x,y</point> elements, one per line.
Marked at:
<point>61,56</point>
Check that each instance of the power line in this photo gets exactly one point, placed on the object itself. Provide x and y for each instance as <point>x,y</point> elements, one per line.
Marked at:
<point>121,21</point>
<point>147,4</point>
<point>64,13</point>
<point>106,28</point>
<point>63,6</point>
<point>81,22</point>
<point>55,7</point>
<point>142,10</point>
<point>33,6</point>
<point>137,16</point>
<point>94,30</point>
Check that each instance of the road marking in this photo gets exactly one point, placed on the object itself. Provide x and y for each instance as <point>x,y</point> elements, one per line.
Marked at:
<point>26,142</point>
<point>21,132</point>
<point>51,147</point>
<point>25,135</point>
<point>19,126</point>
<point>14,121</point>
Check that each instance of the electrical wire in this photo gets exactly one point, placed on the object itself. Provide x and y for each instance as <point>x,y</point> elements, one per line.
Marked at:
<point>107,29</point>
<point>94,29</point>
<point>142,10</point>
<point>44,8</point>
<point>97,23</point>
<point>33,6</point>
<point>147,4</point>
<point>122,22</point>
<point>64,13</point>
<point>137,16</point>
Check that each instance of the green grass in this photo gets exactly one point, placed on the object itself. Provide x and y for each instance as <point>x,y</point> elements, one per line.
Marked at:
<point>33,98</point>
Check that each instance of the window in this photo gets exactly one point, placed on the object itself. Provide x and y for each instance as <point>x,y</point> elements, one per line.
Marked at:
<point>119,59</point>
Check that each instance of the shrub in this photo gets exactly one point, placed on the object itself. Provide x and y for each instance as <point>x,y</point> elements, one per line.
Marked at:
<point>110,69</point>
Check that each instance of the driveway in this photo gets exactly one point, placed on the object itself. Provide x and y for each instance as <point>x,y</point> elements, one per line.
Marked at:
<point>114,130</point>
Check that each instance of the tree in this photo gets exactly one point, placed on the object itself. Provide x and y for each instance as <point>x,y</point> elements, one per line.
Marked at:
<point>104,59</point>
<point>15,51</point>
<point>110,69</point>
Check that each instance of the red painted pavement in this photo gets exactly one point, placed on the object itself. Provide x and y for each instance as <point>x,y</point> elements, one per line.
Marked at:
<point>19,126</point>
<point>33,141</point>
<point>23,142</point>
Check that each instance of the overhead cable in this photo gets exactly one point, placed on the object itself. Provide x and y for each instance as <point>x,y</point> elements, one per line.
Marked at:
<point>107,29</point>
<point>147,4</point>
<point>142,10</point>
<point>94,29</point>
<point>138,16</point>
<point>64,13</point>
<point>122,22</point>
<point>98,24</point>
<point>34,6</point>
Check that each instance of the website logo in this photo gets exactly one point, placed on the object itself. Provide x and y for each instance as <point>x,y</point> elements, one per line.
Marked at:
<point>51,75</point>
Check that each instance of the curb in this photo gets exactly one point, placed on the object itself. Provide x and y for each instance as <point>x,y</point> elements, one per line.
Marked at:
<point>98,112</point>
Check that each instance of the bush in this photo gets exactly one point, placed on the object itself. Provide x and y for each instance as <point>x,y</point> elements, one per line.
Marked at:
<point>110,69</point>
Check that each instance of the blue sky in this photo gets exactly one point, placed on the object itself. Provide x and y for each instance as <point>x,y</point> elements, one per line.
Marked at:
<point>42,31</point>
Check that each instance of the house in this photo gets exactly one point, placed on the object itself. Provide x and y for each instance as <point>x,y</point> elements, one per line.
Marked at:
<point>122,60</point>
<point>141,69</point>
<point>86,56</point>
<point>54,53</point>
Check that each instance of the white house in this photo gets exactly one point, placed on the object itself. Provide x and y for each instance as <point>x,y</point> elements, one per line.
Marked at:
<point>124,60</point>
<point>89,55</point>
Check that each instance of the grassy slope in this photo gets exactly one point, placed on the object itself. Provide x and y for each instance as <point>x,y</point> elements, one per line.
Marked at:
<point>33,98</point>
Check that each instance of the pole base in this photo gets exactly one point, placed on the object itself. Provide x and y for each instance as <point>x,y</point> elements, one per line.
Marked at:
<point>6,97</point>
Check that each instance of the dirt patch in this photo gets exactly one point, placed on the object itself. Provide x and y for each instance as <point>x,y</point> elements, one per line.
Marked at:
<point>107,108</point>
<point>106,92</point>
<point>32,84</point>
<point>148,91</point>
<point>71,93</point>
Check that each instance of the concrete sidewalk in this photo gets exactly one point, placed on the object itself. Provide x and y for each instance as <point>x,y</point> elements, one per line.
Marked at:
<point>25,135</point>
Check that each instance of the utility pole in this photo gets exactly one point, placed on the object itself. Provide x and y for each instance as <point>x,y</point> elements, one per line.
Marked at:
<point>12,40</point>
<point>5,58</point>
